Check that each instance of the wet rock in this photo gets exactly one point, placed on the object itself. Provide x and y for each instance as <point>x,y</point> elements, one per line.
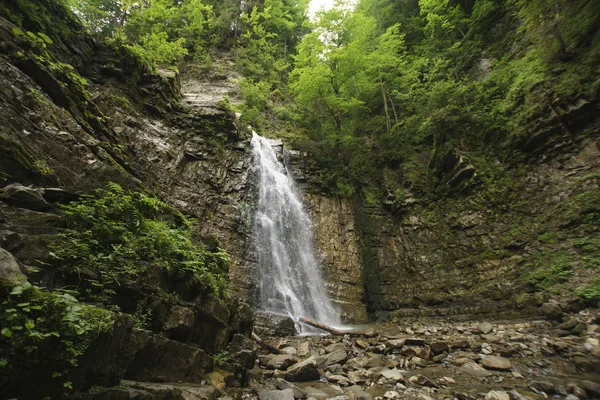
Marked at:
<point>281,361</point>
<point>9,269</point>
<point>392,395</point>
<point>363,344</point>
<point>496,362</point>
<point>552,311</point>
<point>335,346</point>
<point>183,391</point>
<point>282,384</point>
<point>339,379</point>
<point>180,322</point>
<point>544,386</point>
<point>164,360</point>
<point>571,397</point>
<point>418,362</point>
<point>358,394</point>
<point>497,395</point>
<point>292,351</point>
<point>303,349</point>
<point>315,393</point>
<point>474,369</point>
<point>18,195</point>
<point>304,371</point>
<point>486,348</point>
<point>338,356</point>
<point>267,324</point>
<point>438,347</point>
<point>485,328</point>
<point>374,361</point>
<point>577,391</point>
<point>567,326</point>
<point>586,363</point>
<point>286,394</point>
<point>393,375</point>
<point>491,338</point>
<point>358,377</point>
<point>591,388</point>
<point>421,381</point>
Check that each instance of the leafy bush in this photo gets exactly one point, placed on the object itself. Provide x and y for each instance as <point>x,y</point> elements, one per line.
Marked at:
<point>116,234</point>
<point>45,332</point>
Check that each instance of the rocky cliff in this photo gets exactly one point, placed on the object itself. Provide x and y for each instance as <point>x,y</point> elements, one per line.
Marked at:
<point>494,250</point>
<point>76,114</point>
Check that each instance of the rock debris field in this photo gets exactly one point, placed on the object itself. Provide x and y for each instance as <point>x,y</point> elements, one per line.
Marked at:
<point>515,360</point>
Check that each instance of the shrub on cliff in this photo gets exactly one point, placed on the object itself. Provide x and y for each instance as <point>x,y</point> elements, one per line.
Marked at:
<point>117,235</point>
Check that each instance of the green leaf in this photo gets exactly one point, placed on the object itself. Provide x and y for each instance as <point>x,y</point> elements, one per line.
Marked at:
<point>17,290</point>
<point>45,37</point>
<point>3,362</point>
<point>6,332</point>
<point>18,31</point>
<point>29,324</point>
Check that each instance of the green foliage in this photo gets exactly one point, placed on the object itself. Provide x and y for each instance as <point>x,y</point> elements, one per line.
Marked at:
<point>221,359</point>
<point>591,292</point>
<point>116,235</point>
<point>46,331</point>
<point>156,49</point>
<point>551,267</point>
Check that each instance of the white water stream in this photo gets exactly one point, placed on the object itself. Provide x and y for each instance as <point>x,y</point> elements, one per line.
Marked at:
<point>290,278</point>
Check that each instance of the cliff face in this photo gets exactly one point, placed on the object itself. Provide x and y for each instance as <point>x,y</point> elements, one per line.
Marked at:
<point>76,114</point>
<point>479,253</point>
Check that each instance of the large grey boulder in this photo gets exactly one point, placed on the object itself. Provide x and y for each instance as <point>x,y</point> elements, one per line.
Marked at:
<point>267,324</point>
<point>281,361</point>
<point>302,372</point>
<point>9,268</point>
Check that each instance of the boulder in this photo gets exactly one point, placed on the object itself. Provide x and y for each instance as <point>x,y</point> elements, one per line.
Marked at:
<point>282,384</point>
<point>374,361</point>
<point>359,394</point>
<point>180,322</point>
<point>281,361</point>
<point>267,324</point>
<point>393,375</point>
<point>485,328</point>
<point>438,347</point>
<point>9,269</point>
<point>421,381</point>
<point>552,311</point>
<point>474,369</point>
<point>302,372</point>
<point>313,393</point>
<point>338,356</point>
<point>496,362</point>
<point>497,395</point>
<point>164,360</point>
<point>286,394</point>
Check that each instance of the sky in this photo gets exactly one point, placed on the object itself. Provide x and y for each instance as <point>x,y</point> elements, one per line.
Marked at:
<point>315,5</point>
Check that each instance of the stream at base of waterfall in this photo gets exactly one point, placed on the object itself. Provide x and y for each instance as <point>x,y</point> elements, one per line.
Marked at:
<point>290,280</point>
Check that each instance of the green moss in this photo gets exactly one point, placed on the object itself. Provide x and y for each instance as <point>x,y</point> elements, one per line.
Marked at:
<point>551,267</point>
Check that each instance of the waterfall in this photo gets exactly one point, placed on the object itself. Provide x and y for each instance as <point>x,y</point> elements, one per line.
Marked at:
<point>290,279</point>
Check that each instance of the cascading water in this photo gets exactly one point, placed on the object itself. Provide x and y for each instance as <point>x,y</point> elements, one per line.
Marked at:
<point>290,280</point>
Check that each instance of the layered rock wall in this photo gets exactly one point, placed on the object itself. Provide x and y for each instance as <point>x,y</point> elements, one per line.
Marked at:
<point>460,257</point>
